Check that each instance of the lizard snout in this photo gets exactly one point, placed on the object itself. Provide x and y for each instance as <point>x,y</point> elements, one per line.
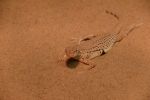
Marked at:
<point>70,53</point>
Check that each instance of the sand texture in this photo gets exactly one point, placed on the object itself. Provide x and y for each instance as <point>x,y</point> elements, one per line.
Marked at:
<point>34,33</point>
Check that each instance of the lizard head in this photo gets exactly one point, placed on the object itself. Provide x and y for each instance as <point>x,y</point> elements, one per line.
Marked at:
<point>72,52</point>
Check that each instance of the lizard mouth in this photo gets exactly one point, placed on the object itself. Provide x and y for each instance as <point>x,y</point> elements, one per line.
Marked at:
<point>69,54</point>
<point>72,52</point>
<point>74,55</point>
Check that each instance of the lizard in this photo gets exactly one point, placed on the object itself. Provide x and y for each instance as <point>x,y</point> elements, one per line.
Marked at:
<point>95,45</point>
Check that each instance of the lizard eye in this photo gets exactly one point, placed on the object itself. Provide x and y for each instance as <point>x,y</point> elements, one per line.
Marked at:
<point>78,52</point>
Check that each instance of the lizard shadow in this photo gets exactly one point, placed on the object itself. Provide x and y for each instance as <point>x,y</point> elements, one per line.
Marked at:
<point>72,63</point>
<point>103,53</point>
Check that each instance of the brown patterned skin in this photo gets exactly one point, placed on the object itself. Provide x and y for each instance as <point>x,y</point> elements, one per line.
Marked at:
<point>89,49</point>
<point>93,46</point>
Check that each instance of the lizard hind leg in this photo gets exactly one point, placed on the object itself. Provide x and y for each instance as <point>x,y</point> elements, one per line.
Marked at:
<point>129,30</point>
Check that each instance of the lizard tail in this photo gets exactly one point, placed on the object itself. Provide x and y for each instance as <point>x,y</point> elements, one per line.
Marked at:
<point>124,34</point>
<point>132,27</point>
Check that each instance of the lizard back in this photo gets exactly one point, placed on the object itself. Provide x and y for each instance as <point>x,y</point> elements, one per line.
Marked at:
<point>96,46</point>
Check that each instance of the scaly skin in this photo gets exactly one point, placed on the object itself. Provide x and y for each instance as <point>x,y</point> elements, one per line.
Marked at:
<point>93,46</point>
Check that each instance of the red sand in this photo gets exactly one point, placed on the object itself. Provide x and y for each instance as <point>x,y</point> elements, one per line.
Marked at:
<point>33,33</point>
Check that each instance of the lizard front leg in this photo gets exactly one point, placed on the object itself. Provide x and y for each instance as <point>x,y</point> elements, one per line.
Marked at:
<point>87,62</point>
<point>88,37</point>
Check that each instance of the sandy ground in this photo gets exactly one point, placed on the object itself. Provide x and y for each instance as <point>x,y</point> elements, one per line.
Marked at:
<point>33,34</point>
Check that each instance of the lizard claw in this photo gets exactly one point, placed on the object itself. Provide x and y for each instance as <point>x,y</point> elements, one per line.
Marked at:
<point>91,66</point>
<point>61,59</point>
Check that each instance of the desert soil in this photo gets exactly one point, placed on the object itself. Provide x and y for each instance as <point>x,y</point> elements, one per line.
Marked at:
<point>34,33</point>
